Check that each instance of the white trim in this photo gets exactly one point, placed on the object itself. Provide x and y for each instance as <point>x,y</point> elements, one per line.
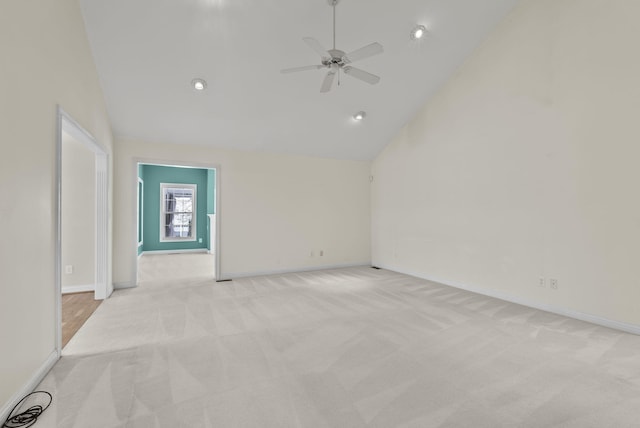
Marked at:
<point>212,225</point>
<point>102,289</point>
<point>58,223</point>
<point>218,268</point>
<point>590,318</point>
<point>140,211</point>
<point>191,250</point>
<point>69,289</point>
<point>217,245</point>
<point>123,285</point>
<point>30,385</point>
<point>284,271</point>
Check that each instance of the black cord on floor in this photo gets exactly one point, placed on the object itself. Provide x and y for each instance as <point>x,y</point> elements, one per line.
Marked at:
<point>29,416</point>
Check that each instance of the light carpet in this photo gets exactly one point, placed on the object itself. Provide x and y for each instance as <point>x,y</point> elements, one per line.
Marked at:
<point>339,348</point>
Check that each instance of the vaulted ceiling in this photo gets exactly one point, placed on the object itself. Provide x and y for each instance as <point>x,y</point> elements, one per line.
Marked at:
<point>147,52</point>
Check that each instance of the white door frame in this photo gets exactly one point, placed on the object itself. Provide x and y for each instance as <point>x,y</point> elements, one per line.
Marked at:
<point>216,245</point>
<point>103,290</point>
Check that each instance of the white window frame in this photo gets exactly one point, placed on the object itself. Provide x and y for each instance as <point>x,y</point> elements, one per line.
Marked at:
<point>194,234</point>
<point>140,207</point>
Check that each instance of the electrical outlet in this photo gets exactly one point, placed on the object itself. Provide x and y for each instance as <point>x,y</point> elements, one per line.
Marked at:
<point>68,269</point>
<point>200,240</point>
<point>541,282</point>
<point>553,283</point>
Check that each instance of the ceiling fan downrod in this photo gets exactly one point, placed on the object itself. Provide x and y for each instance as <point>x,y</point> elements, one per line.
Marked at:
<point>334,3</point>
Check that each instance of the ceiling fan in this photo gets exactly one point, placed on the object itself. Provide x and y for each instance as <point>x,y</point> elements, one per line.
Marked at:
<point>336,60</point>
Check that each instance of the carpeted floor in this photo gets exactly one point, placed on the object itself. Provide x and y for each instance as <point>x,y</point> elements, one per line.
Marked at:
<point>158,270</point>
<point>338,348</point>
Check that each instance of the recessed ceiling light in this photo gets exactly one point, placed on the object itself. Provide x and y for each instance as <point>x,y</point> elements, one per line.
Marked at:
<point>199,84</point>
<point>418,32</point>
<point>359,116</point>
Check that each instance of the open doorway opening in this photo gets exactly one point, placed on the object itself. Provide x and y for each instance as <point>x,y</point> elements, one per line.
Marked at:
<point>176,217</point>
<point>82,227</point>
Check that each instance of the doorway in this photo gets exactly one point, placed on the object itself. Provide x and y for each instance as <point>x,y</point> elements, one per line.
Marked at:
<point>82,218</point>
<point>177,216</point>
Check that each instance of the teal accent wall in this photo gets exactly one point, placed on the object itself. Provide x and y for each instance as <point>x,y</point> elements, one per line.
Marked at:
<point>153,175</point>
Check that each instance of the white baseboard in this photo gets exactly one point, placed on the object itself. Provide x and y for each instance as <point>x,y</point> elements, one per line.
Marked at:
<point>29,386</point>
<point>194,250</point>
<point>67,289</point>
<point>123,285</point>
<point>593,319</point>
<point>283,271</point>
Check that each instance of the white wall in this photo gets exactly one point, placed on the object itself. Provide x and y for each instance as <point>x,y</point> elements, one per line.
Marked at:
<point>78,213</point>
<point>274,210</point>
<point>45,60</point>
<point>526,165</point>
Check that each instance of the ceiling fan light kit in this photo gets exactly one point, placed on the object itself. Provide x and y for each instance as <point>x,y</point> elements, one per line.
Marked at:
<point>359,116</point>
<point>418,32</point>
<point>199,84</point>
<point>336,60</point>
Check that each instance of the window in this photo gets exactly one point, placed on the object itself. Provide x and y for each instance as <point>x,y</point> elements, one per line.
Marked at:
<point>177,212</point>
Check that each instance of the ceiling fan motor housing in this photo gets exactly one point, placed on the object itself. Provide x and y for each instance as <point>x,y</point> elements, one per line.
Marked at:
<point>337,57</point>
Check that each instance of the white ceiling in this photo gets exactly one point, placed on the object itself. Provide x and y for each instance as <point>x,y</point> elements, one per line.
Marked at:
<point>148,51</point>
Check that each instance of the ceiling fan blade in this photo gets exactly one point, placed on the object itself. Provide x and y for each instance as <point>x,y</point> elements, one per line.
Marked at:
<point>362,53</point>
<point>296,69</point>
<point>327,83</point>
<point>316,46</point>
<point>361,74</point>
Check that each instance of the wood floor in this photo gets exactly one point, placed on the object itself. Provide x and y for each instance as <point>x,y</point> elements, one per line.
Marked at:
<point>76,309</point>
